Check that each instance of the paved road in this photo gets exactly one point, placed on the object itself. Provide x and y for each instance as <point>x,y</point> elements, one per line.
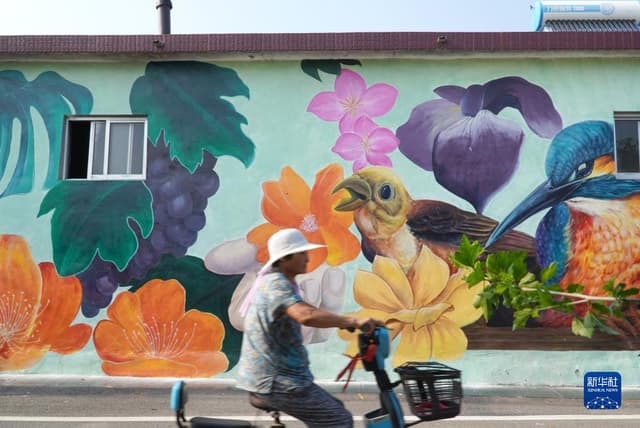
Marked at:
<point>100,407</point>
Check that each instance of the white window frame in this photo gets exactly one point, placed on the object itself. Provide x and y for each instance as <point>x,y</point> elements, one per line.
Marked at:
<point>108,120</point>
<point>631,116</point>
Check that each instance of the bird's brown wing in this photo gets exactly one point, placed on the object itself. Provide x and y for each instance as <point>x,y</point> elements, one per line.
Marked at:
<point>443,223</point>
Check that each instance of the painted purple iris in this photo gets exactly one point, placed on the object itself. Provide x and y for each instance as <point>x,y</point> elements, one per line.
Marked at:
<point>471,151</point>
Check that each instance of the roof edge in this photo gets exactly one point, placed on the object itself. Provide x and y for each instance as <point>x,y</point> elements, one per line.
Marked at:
<point>400,42</point>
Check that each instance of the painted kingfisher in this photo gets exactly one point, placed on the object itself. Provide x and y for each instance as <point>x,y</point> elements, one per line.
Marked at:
<point>592,228</point>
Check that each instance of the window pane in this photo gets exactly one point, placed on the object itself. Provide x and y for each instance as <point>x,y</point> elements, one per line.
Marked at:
<point>627,154</point>
<point>118,148</point>
<point>78,148</point>
<point>137,148</point>
<point>98,148</point>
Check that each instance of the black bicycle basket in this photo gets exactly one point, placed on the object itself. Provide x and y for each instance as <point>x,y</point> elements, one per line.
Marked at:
<point>433,390</point>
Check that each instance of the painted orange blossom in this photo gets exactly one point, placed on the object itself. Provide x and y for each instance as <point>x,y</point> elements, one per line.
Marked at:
<point>37,307</point>
<point>426,307</point>
<point>149,334</point>
<point>289,202</point>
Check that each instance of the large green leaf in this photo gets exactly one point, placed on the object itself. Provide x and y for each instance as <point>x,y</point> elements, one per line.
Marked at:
<point>206,291</point>
<point>312,67</point>
<point>185,99</point>
<point>96,216</point>
<point>52,97</point>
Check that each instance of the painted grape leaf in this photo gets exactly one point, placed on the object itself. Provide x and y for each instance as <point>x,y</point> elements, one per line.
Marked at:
<point>90,217</point>
<point>206,292</point>
<point>185,99</point>
<point>312,67</point>
<point>52,97</point>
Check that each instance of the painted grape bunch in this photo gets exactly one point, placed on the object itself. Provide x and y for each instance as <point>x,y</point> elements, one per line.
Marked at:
<point>179,201</point>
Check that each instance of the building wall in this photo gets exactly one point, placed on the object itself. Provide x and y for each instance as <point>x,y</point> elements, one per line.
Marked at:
<point>277,133</point>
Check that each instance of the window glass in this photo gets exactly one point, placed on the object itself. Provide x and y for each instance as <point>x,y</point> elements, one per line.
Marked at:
<point>137,149</point>
<point>77,149</point>
<point>98,148</point>
<point>627,153</point>
<point>118,148</point>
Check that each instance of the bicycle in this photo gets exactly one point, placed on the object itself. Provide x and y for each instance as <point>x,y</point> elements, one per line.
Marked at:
<point>432,390</point>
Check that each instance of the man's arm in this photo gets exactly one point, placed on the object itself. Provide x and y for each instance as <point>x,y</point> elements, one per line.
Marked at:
<point>311,316</point>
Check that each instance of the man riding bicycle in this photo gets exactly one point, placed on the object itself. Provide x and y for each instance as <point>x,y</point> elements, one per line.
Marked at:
<point>274,365</point>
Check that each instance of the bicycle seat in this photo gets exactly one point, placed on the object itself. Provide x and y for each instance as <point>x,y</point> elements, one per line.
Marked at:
<point>259,403</point>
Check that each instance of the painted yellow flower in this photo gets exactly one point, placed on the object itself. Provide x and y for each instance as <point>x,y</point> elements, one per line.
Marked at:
<point>426,307</point>
<point>149,334</point>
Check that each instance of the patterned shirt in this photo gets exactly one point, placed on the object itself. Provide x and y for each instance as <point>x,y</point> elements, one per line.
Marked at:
<point>273,357</point>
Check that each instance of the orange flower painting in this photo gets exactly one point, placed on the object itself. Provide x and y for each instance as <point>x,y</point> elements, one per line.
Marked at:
<point>37,307</point>
<point>289,202</point>
<point>148,334</point>
<point>426,307</point>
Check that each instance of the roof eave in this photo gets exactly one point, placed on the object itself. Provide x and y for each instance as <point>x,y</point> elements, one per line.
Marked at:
<point>319,45</point>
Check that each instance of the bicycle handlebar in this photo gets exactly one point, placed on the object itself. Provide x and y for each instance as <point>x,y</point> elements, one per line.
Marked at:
<point>366,329</point>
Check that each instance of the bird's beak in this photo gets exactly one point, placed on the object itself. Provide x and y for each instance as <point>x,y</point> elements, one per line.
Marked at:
<point>359,193</point>
<point>544,196</point>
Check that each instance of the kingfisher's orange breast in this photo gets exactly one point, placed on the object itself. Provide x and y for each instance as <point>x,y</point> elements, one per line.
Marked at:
<point>605,236</point>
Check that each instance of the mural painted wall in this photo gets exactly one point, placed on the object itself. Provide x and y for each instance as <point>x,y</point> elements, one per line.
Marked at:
<point>387,163</point>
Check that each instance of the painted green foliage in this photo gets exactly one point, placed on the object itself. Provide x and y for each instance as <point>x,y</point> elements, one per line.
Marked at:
<point>205,290</point>
<point>51,96</point>
<point>185,99</point>
<point>91,217</point>
<point>313,67</point>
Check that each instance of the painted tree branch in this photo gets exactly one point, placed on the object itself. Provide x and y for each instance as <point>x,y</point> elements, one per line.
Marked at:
<point>507,282</point>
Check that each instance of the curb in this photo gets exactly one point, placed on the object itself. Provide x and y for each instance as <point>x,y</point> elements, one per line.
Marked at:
<point>62,381</point>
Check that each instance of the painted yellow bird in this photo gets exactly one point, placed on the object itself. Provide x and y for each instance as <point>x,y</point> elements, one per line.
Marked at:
<point>394,225</point>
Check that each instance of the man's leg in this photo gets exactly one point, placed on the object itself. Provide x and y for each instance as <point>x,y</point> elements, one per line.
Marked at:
<point>312,405</point>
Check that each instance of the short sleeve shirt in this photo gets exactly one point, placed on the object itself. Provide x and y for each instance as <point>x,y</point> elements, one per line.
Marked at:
<point>273,357</point>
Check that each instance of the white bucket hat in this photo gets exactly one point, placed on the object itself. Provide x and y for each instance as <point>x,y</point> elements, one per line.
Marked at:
<point>286,242</point>
<point>281,243</point>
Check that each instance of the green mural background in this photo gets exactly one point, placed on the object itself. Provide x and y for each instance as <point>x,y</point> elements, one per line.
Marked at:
<point>285,134</point>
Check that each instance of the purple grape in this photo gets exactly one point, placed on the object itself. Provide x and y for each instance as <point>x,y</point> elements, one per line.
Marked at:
<point>146,258</point>
<point>169,189</point>
<point>180,206</point>
<point>195,222</point>
<point>180,235</point>
<point>106,285</point>
<point>206,183</point>
<point>157,168</point>
<point>160,215</point>
<point>178,251</point>
<point>134,271</point>
<point>92,299</point>
<point>158,240</point>
<point>89,309</point>
<point>176,183</point>
<point>199,202</point>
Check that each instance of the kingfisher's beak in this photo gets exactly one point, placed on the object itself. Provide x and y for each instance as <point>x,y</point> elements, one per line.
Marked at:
<point>359,193</point>
<point>544,196</point>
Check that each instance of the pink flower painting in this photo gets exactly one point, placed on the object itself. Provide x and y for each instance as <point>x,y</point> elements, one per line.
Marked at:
<point>352,99</point>
<point>367,144</point>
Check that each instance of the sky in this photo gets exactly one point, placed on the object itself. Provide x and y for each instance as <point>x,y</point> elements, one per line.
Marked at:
<point>90,17</point>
